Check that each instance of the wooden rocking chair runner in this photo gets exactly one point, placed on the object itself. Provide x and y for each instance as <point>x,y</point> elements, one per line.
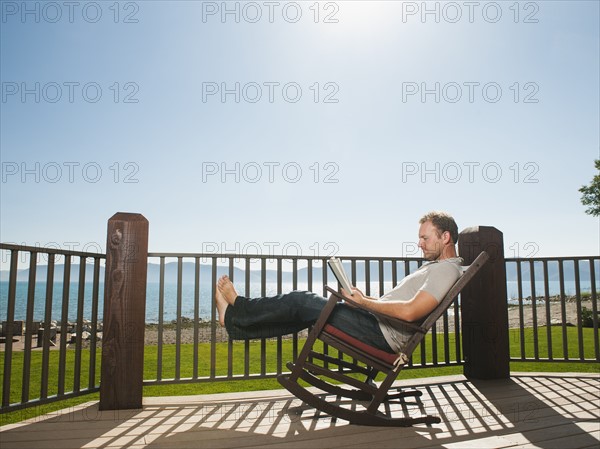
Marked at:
<point>376,361</point>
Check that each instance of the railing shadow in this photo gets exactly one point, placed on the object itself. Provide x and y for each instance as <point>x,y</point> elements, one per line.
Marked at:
<point>523,410</point>
<point>544,411</point>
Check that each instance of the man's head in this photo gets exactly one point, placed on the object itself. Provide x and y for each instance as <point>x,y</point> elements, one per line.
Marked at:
<point>438,234</point>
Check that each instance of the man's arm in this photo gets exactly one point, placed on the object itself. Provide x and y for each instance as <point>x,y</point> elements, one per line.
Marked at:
<point>421,305</point>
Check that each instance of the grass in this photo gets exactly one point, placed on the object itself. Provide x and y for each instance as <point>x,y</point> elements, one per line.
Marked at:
<point>270,351</point>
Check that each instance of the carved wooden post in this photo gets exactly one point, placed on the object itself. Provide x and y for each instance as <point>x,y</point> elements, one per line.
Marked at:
<point>124,312</point>
<point>484,308</point>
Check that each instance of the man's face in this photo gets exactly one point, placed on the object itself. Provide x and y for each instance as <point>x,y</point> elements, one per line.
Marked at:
<point>430,242</point>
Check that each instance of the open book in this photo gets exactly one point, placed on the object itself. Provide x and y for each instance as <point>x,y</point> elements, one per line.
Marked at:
<point>338,270</point>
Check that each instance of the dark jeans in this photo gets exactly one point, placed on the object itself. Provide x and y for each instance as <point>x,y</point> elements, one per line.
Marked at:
<point>288,313</point>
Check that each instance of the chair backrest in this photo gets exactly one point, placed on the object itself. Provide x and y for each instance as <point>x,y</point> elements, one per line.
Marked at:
<point>468,273</point>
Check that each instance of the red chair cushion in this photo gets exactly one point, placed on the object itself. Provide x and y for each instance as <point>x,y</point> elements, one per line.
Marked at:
<point>387,357</point>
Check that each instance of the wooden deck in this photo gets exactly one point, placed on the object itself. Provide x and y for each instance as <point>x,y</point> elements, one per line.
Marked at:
<point>529,410</point>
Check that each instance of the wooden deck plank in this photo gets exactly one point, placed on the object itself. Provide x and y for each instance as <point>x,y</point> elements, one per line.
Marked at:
<point>183,423</point>
<point>524,411</point>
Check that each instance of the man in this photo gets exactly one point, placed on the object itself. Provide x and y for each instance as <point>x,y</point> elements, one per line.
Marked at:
<point>413,298</point>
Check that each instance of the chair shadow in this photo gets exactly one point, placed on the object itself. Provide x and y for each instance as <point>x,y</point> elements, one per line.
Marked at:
<point>278,423</point>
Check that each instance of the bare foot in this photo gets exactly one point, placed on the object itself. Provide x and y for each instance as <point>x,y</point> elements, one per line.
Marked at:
<point>221,306</point>
<point>227,290</point>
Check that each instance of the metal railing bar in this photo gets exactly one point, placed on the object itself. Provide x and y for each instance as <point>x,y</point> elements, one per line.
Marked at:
<point>46,332</point>
<point>367,277</point>
<point>10,318</point>
<point>595,317</point>
<point>325,277</point>
<point>93,341</point>
<point>446,337</point>
<point>178,318</point>
<point>263,292</point>
<point>310,275</point>
<point>263,356</point>
<point>263,277</point>
<point>457,333</point>
<point>563,309</point>
<point>247,279</point>
<point>381,278</point>
<point>547,304</point>
<point>295,274</point>
<point>79,325</point>
<point>324,293</point>
<point>213,315</point>
<point>579,311</point>
<point>230,357</point>
<point>29,327</point>
<point>247,342</point>
<point>63,325</point>
<point>434,352</point>
<point>229,341</point>
<point>196,315</point>
<point>161,311</point>
<point>536,346</point>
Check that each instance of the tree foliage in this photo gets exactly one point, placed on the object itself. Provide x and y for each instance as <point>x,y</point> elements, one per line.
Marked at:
<point>591,193</point>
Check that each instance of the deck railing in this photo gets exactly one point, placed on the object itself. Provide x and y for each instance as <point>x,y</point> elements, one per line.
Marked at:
<point>561,309</point>
<point>547,301</point>
<point>36,310</point>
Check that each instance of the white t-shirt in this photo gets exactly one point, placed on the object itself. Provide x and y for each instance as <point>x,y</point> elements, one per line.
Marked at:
<point>436,278</point>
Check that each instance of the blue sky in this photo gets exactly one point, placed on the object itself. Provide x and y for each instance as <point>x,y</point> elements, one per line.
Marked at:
<point>272,128</point>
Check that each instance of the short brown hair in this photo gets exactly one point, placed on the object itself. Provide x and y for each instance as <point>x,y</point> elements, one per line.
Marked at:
<point>443,222</point>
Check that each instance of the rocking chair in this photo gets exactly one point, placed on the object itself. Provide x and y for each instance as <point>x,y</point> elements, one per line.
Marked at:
<point>375,361</point>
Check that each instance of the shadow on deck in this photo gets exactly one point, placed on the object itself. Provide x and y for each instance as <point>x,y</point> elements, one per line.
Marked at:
<point>529,410</point>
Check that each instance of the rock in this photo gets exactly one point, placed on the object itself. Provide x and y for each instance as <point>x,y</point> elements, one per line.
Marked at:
<point>558,322</point>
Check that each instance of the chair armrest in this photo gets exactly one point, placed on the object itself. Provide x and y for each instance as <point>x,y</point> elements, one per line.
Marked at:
<point>326,312</point>
<point>393,320</point>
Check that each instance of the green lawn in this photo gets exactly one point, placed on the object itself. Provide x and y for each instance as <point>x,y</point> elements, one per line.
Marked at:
<point>238,368</point>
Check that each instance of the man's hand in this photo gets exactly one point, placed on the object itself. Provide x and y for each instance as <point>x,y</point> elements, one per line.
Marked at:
<point>357,296</point>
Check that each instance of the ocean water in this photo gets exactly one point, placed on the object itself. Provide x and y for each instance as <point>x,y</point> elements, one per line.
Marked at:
<point>205,298</point>
<point>152,300</point>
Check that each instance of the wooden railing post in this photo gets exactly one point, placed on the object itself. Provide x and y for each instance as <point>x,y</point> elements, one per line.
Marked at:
<point>484,308</point>
<point>124,312</point>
